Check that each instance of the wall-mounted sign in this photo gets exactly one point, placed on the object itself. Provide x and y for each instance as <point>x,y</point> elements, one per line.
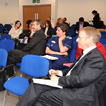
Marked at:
<point>36,1</point>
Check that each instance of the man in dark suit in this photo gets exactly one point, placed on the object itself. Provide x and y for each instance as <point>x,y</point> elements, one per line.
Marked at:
<point>80,24</point>
<point>36,46</point>
<point>82,83</point>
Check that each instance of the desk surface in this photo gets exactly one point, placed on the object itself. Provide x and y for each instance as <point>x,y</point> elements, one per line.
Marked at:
<point>102,29</point>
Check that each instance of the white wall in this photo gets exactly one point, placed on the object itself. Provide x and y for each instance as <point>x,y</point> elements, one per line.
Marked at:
<point>42,2</point>
<point>73,9</point>
<point>9,11</point>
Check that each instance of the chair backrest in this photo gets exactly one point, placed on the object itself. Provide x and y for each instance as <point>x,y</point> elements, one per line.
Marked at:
<point>103,41</point>
<point>7,44</point>
<point>34,66</point>
<point>103,34</point>
<point>7,26</point>
<point>5,36</point>
<point>1,29</point>
<point>73,26</point>
<point>3,57</point>
<point>73,52</point>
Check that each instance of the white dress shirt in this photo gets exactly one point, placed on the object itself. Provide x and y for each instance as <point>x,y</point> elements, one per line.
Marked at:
<point>84,53</point>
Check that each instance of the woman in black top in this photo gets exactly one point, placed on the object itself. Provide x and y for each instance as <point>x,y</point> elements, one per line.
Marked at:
<point>96,19</point>
<point>48,29</point>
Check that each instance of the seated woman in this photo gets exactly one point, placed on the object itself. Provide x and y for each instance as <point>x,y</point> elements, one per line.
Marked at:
<point>59,47</point>
<point>48,30</point>
<point>15,31</point>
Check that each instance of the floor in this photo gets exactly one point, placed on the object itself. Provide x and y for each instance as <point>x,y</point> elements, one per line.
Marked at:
<point>11,99</point>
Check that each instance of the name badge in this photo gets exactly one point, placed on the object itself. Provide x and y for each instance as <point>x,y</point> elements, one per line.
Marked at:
<point>53,42</point>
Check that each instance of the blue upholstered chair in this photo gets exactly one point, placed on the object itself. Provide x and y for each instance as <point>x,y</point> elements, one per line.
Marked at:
<point>31,65</point>
<point>73,52</point>
<point>5,36</point>
<point>7,44</point>
<point>3,57</point>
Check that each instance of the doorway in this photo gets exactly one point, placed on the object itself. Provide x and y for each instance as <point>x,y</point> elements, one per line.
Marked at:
<point>35,12</point>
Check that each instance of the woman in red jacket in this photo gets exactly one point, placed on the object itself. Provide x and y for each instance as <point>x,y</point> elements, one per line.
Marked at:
<point>100,47</point>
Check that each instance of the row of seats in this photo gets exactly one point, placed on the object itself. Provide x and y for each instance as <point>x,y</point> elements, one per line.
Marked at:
<point>5,29</point>
<point>22,83</point>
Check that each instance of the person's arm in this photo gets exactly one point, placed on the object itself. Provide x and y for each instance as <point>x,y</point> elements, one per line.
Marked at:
<point>90,71</point>
<point>11,32</point>
<point>77,27</point>
<point>49,51</point>
<point>63,48</point>
<point>32,43</point>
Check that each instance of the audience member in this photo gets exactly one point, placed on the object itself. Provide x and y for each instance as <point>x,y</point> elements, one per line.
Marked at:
<point>101,23</point>
<point>48,29</point>
<point>26,36</point>
<point>82,83</point>
<point>36,46</point>
<point>59,21</point>
<point>80,24</point>
<point>100,47</point>
<point>28,23</point>
<point>64,21</point>
<point>96,19</point>
<point>59,46</point>
<point>16,31</point>
<point>49,19</point>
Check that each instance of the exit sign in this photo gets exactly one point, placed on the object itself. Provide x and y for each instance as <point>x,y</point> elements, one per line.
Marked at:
<point>36,1</point>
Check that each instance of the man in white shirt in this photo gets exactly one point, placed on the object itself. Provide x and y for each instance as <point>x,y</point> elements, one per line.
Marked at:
<point>82,83</point>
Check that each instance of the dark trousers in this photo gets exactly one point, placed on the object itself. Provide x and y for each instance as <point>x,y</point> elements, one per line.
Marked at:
<point>41,95</point>
<point>14,56</point>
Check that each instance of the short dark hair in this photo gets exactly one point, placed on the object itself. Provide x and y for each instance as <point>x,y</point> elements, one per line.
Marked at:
<point>64,28</point>
<point>81,19</point>
<point>28,22</point>
<point>39,22</point>
<point>94,12</point>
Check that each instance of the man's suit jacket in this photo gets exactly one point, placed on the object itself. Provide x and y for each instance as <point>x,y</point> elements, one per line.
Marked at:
<point>86,81</point>
<point>84,25</point>
<point>37,44</point>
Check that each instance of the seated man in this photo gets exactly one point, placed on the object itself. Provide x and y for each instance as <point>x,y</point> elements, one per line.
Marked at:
<point>25,37</point>
<point>36,46</point>
<point>80,24</point>
<point>82,82</point>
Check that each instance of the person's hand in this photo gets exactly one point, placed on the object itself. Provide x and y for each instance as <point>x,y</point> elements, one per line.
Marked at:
<point>47,36</point>
<point>54,78</point>
<point>62,37</point>
<point>53,72</point>
<point>76,31</point>
<point>64,53</point>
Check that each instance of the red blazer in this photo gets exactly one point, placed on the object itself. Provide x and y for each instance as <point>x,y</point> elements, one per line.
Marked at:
<point>100,47</point>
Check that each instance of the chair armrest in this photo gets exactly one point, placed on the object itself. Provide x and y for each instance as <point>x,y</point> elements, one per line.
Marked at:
<point>3,68</point>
